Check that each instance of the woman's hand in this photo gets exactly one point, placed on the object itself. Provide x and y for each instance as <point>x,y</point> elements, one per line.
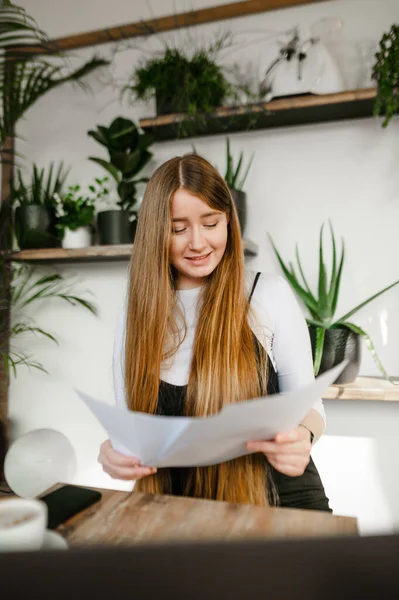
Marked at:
<point>120,466</point>
<point>288,453</point>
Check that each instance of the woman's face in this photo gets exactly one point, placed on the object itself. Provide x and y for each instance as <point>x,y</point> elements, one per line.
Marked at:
<point>198,240</point>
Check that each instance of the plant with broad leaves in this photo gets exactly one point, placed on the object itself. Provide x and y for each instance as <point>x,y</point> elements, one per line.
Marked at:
<point>128,155</point>
<point>322,305</point>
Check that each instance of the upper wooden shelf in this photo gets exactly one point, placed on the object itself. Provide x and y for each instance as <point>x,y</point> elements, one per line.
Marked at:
<point>365,388</point>
<point>282,112</point>
<point>92,254</point>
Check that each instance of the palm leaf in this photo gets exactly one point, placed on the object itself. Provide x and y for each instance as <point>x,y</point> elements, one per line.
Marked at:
<point>20,328</point>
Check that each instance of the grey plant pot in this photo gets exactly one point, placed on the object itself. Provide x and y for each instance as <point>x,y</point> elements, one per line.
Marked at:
<point>339,344</point>
<point>240,201</point>
<point>114,227</point>
<point>33,227</point>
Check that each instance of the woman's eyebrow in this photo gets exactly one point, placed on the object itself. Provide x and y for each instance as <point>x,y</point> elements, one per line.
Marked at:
<point>203,216</point>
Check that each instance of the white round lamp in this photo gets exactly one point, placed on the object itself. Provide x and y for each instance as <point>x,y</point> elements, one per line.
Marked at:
<point>38,460</point>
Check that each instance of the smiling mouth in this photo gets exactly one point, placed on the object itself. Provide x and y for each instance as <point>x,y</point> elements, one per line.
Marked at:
<point>198,258</point>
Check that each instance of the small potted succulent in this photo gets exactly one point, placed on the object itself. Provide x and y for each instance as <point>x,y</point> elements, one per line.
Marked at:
<point>34,220</point>
<point>235,179</point>
<point>75,213</point>
<point>128,155</point>
<point>333,340</point>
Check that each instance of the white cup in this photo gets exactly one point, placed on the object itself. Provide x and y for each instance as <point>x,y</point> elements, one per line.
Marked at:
<point>22,524</point>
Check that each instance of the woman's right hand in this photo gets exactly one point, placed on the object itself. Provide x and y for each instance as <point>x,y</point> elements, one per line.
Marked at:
<point>120,466</point>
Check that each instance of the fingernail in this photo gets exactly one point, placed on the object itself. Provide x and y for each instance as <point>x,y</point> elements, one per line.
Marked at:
<point>293,435</point>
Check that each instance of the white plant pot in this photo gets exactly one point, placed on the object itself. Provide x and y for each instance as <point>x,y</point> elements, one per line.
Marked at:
<point>80,238</point>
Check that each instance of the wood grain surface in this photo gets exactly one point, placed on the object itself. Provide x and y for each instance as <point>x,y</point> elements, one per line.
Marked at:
<point>365,388</point>
<point>123,518</point>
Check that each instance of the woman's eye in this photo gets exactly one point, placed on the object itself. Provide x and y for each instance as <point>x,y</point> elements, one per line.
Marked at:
<point>211,226</point>
<point>179,230</point>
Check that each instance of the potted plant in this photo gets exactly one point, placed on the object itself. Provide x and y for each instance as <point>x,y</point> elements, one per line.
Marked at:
<point>386,74</point>
<point>200,84</point>
<point>333,340</point>
<point>75,213</point>
<point>128,155</point>
<point>29,288</point>
<point>235,179</point>
<point>35,212</point>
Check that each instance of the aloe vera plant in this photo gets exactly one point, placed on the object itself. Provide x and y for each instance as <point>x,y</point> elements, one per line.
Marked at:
<point>232,175</point>
<point>322,305</point>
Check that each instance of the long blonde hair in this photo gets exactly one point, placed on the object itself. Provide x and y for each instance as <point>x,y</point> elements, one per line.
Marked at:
<point>225,367</point>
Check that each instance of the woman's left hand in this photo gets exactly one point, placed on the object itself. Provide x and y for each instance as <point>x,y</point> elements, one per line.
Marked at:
<point>288,453</point>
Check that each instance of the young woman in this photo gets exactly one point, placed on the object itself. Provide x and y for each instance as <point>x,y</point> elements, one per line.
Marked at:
<point>200,332</point>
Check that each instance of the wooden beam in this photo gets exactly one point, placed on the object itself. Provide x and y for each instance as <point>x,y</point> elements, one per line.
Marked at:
<point>162,24</point>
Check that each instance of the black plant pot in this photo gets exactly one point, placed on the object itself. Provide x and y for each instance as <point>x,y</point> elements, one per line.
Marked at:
<point>240,201</point>
<point>339,344</point>
<point>33,228</point>
<point>114,227</point>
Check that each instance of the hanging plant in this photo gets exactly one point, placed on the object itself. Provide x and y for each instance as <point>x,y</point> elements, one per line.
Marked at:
<point>386,74</point>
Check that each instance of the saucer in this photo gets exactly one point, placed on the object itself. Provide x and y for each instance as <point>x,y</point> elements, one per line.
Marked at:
<point>54,541</point>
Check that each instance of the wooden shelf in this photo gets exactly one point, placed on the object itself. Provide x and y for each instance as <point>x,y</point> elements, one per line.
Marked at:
<point>365,388</point>
<point>282,112</point>
<point>92,254</point>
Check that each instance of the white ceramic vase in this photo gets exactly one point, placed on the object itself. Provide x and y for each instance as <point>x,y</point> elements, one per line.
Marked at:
<point>79,238</point>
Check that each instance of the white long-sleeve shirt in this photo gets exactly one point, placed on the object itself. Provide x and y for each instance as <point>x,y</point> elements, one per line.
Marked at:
<point>277,322</point>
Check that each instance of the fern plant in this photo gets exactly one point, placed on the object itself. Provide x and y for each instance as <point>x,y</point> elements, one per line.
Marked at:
<point>322,304</point>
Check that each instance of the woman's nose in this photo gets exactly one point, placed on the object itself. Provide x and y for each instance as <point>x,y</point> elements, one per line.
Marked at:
<point>197,239</point>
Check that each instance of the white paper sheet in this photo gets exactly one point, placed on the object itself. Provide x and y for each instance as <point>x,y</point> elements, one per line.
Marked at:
<point>184,441</point>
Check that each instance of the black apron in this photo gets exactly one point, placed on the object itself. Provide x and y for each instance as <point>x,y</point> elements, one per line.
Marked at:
<point>305,491</point>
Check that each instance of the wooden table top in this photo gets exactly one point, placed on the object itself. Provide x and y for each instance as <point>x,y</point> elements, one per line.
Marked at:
<point>122,518</point>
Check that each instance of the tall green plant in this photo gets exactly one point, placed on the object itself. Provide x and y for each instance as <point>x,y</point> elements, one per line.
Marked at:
<point>28,289</point>
<point>322,304</point>
<point>386,74</point>
<point>232,175</point>
<point>43,185</point>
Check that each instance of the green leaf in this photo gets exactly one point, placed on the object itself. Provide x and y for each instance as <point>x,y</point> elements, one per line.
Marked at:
<point>303,294</point>
<point>303,275</point>
<point>108,166</point>
<point>319,347</point>
<point>244,178</point>
<point>237,171</point>
<point>371,348</point>
<point>337,281</point>
<point>357,308</point>
<point>323,298</point>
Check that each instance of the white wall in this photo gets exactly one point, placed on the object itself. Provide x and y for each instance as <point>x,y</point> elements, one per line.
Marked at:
<point>301,176</point>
